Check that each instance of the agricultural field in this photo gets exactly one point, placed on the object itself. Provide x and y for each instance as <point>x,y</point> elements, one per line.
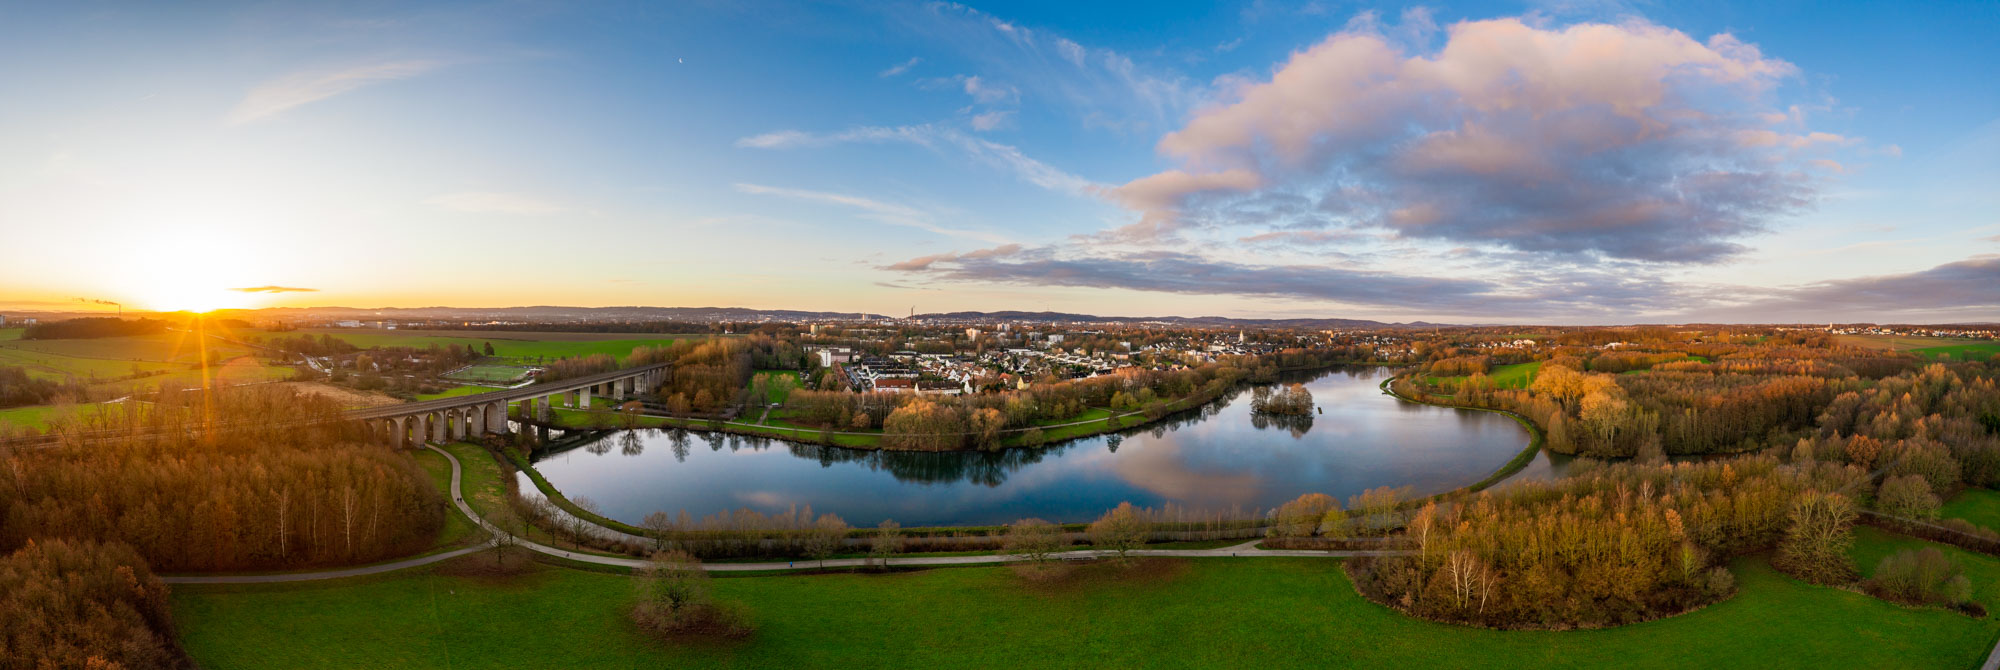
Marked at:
<point>169,359</point>
<point>506,344</point>
<point>455,391</point>
<point>1207,612</point>
<point>1957,348</point>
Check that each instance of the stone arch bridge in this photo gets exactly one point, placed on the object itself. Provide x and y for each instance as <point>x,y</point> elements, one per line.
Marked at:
<point>447,419</point>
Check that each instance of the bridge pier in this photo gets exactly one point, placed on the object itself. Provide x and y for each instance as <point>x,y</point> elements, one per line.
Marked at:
<point>461,424</point>
<point>399,431</point>
<point>496,418</point>
<point>583,398</point>
<point>437,428</point>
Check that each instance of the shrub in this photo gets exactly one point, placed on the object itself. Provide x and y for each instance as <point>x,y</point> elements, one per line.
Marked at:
<point>1921,577</point>
<point>674,599</point>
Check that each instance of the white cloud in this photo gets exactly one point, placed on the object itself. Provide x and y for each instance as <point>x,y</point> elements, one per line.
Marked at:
<point>276,96</point>
<point>991,153</point>
<point>900,67</point>
<point>885,212</point>
<point>992,120</point>
<point>486,202</point>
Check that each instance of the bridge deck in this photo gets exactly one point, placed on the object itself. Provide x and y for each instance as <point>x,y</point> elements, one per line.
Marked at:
<point>506,395</point>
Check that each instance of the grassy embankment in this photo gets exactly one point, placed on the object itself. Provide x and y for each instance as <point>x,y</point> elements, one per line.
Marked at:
<point>1197,613</point>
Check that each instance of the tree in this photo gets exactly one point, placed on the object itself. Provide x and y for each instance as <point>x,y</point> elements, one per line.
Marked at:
<point>1034,539</point>
<point>1907,496</point>
<point>825,537</point>
<point>885,543</point>
<point>1816,540</point>
<point>658,525</point>
<point>1122,529</point>
<point>489,348</point>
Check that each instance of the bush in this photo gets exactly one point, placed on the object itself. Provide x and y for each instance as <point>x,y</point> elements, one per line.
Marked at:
<point>1122,529</point>
<point>675,600</point>
<point>1921,577</point>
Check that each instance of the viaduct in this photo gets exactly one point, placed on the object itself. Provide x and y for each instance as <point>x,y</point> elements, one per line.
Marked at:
<point>447,419</point>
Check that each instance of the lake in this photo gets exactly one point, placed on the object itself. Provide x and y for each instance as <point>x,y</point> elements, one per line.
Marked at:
<point>1220,458</point>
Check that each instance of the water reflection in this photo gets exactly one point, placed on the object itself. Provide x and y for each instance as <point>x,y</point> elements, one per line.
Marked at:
<point>1217,457</point>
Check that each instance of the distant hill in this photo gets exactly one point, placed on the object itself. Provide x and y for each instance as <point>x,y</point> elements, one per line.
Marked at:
<point>1212,321</point>
<point>559,313</point>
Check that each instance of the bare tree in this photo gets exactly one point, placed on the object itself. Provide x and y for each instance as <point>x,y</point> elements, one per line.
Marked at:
<point>1034,539</point>
<point>885,543</point>
<point>824,538</point>
<point>284,497</point>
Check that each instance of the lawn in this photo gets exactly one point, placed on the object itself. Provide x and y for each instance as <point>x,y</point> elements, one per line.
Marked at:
<point>1207,613</point>
<point>457,529</point>
<point>508,344</point>
<point>1977,505</point>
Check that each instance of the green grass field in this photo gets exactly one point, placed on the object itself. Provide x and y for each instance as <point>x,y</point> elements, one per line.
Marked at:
<point>1202,613</point>
<point>458,530</point>
<point>1511,376</point>
<point>506,344</point>
<point>35,417</point>
<point>1977,505</point>
<point>499,374</point>
<point>1970,351</point>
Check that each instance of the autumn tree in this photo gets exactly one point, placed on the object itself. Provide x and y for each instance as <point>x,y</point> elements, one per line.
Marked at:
<point>1122,529</point>
<point>1034,539</point>
<point>674,598</point>
<point>1818,533</point>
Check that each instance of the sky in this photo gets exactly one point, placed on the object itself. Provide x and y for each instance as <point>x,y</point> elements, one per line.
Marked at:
<point>1542,162</point>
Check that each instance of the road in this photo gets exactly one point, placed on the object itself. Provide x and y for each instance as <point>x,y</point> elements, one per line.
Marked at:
<point>1247,549</point>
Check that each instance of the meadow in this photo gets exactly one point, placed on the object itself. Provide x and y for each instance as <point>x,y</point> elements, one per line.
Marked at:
<point>1299,612</point>
<point>1957,348</point>
<point>1512,376</point>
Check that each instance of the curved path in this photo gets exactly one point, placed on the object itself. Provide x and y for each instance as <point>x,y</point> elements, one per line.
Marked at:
<point>1247,549</point>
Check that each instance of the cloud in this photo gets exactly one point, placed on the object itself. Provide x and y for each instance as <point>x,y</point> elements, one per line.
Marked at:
<point>1626,141</point>
<point>274,289</point>
<point>1104,88</point>
<point>1174,272</point>
<point>486,202</point>
<point>276,96</point>
<point>1962,287</point>
<point>890,213</point>
<point>994,154</point>
<point>992,120</point>
<point>922,263</point>
<point>900,68</point>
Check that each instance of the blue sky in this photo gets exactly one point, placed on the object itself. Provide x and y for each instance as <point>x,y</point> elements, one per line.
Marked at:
<point>1549,162</point>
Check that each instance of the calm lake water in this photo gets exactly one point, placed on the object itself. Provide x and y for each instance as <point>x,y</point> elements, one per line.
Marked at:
<point>1220,458</point>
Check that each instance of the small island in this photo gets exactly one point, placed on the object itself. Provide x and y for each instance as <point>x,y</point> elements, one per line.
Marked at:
<point>1290,400</point>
